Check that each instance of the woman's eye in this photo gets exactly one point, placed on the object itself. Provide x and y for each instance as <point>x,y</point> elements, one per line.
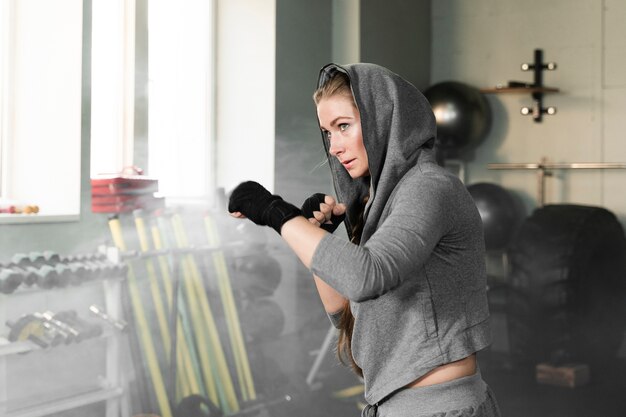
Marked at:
<point>343,126</point>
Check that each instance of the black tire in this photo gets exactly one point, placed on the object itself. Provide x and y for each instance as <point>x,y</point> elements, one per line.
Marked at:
<point>567,297</point>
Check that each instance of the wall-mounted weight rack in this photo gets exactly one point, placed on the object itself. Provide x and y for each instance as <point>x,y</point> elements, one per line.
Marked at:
<point>536,88</point>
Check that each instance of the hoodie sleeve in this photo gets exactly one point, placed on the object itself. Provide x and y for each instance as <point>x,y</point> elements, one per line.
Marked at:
<point>420,215</point>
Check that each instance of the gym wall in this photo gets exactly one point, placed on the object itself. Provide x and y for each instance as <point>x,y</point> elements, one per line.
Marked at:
<point>483,43</point>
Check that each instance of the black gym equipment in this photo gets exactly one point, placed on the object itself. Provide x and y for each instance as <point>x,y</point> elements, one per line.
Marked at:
<point>263,319</point>
<point>39,259</point>
<point>48,270</point>
<point>500,211</point>
<point>30,277</point>
<point>79,272</point>
<point>567,286</point>
<point>538,66</point>
<point>257,274</point>
<point>196,406</point>
<point>21,259</point>
<point>65,274</point>
<point>248,232</point>
<point>463,118</point>
<point>47,276</point>
<point>10,279</point>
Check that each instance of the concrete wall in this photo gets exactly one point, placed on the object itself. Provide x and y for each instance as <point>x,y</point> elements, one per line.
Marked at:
<point>303,46</point>
<point>483,43</point>
<point>397,34</point>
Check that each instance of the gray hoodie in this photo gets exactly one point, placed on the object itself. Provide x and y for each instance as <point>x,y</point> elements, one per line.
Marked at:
<point>417,281</point>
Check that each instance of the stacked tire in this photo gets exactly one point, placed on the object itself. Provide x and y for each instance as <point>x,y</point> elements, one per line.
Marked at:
<point>567,296</point>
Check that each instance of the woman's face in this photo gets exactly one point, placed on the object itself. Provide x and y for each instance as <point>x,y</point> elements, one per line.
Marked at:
<point>341,123</point>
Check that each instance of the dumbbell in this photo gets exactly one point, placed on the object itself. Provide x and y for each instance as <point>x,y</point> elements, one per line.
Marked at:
<point>72,258</point>
<point>108,268</point>
<point>22,260</point>
<point>112,269</point>
<point>119,324</point>
<point>46,276</point>
<point>48,257</point>
<point>79,272</point>
<point>117,269</point>
<point>68,333</point>
<point>30,277</point>
<point>257,275</point>
<point>97,271</point>
<point>65,274</point>
<point>85,328</point>
<point>262,319</point>
<point>91,256</point>
<point>10,279</point>
<point>36,259</point>
<point>38,331</point>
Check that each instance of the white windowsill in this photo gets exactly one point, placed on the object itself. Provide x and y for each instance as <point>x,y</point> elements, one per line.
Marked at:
<point>37,218</point>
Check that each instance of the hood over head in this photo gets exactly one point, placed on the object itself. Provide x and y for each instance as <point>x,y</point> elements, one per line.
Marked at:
<point>398,127</point>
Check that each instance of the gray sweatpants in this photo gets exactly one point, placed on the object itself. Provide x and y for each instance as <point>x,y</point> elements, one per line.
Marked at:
<point>469,396</point>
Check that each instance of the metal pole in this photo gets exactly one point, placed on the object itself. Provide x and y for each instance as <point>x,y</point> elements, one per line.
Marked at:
<point>543,170</point>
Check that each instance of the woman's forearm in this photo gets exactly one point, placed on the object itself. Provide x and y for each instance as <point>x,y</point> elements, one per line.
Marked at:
<point>302,237</point>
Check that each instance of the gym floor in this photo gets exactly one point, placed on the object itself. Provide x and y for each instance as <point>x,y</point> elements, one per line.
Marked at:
<point>516,389</point>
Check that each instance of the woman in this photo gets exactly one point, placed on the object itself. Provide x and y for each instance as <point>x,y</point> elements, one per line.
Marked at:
<point>409,291</point>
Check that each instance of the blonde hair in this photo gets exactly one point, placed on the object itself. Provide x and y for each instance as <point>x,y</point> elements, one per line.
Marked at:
<point>338,84</point>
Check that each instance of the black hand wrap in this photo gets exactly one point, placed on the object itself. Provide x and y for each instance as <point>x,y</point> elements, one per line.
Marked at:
<point>312,204</point>
<point>265,209</point>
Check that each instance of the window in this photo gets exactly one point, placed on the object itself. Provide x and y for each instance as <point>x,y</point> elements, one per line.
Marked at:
<point>40,108</point>
<point>5,52</point>
<point>180,93</point>
<point>181,73</point>
<point>112,85</point>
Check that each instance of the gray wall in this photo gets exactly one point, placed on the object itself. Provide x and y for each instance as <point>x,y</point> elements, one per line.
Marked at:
<point>397,34</point>
<point>303,46</point>
<point>483,43</point>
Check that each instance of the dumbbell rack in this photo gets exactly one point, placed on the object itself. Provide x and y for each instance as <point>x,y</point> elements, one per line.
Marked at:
<point>536,88</point>
<point>106,383</point>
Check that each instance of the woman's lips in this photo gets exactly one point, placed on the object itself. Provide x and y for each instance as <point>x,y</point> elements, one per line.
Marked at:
<point>348,164</point>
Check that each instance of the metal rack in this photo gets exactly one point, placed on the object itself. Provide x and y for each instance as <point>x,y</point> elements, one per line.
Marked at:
<point>111,387</point>
<point>544,169</point>
<point>536,88</point>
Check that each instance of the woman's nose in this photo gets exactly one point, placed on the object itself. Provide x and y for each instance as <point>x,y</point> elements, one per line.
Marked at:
<point>336,147</point>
